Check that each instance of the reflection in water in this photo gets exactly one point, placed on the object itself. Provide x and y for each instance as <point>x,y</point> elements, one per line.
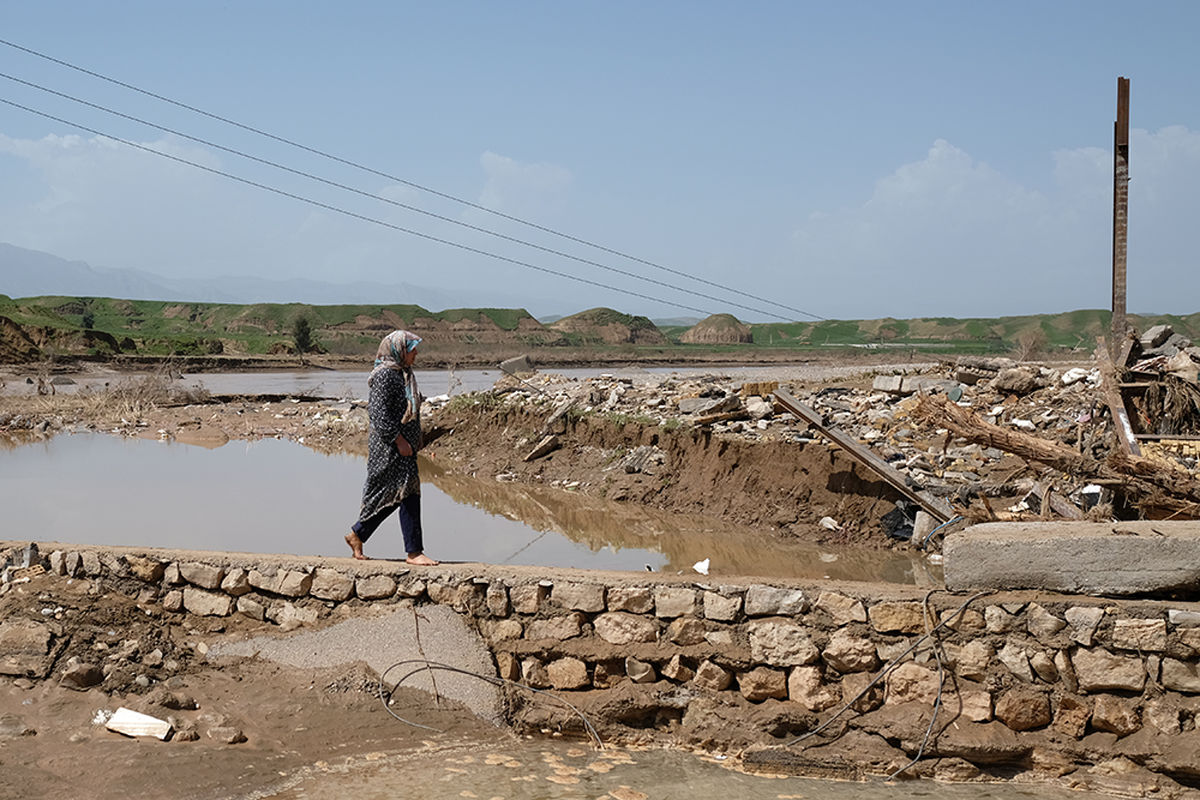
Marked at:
<point>274,496</point>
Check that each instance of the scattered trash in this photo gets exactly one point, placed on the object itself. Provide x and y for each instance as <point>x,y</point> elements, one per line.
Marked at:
<point>132,723</point>
<point>701,566</point>
<point>829,524</point>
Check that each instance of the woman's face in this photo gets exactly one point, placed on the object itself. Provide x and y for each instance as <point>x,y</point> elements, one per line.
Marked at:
<point>410,356</point>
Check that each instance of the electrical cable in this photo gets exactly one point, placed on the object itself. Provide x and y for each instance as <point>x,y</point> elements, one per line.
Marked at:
<point>363,217</point>
<point>396,203</point>
<point>412,184</point>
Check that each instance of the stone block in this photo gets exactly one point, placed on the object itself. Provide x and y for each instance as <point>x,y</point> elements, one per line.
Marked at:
<point>587,597</point>
<point>528,598</point>
<point>171,576</point>
<point>857,695</point>
<point>848,652</point>
<point>763,683</point>
<point>1016,659</point>
<point>1044,666</point>
<point>772,601</point>
<point>971,661</point>
<point>533,674</point>
<point>1072,715</point>
<point>504,630</point>
<point>90,563</point>
<point>1097,558</point>
<point>72,564</point>
<point>147,570</point>
<point>1163,714</point>
<point>620,627</point>
<point>841,608</point>
<point>721,608</point>
<point>496,598</point>
<point>1084,620</point>
<point>712,676</point>
<point>411,587</point>
<point>327,584</point>
<point>807,687</point>
<point>671,602</point>
<point>976,705</point>
<point>686,631</point>
<point>205,603</point>
<point>677,671</point>
<point>997,620</point>
<point>1023,709</point>
<point>634,599</point>
<point>1041,623</point>
<point>888,383</point>
<point>911,683</point>
<point>289,616</point>
<point>249,607</point>
<point>567,673</point>
<point>114,565</point>
<point>173,601</point>
<point>560,628</point>
<point>1142,635</point>
<point>897,617</point>
<point>507,666</point>
<point>58,562</point>
<point>639,671</point>
<point>1115,715</point>
<point>1181,676</point>
<point>1098,670</point>
<point>781,644</point>
<point>608,673</point>
<point>236,582</point>
<point>293,583</point>
<point>375,587</point>
<point>1180,618</point>
<point>206,576</point>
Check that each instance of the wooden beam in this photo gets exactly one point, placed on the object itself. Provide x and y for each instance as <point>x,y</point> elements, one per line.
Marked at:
<point>935,506</point>
<point>1116,401</point>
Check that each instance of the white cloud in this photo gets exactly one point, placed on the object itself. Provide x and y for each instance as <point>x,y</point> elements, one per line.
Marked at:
<point>523,190</point>
<point>949,235</point>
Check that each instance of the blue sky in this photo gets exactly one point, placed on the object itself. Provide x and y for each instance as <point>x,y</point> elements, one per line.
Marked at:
<point>852,160</point>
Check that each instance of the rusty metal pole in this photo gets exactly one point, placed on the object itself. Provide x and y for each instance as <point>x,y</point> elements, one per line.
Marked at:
<point>1120,228</point>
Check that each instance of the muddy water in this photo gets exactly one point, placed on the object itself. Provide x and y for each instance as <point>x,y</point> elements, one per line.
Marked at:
<point>274,496</point>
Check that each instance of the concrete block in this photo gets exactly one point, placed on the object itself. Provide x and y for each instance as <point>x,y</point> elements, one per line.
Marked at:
<point>1098,558</point>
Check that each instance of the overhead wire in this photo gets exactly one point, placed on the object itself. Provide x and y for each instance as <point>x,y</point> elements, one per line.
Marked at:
<point>353,214</point>
<point>373,196</point>
<point>423,188</point>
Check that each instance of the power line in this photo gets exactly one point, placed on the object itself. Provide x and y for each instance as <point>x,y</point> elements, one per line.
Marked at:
<point>412,184</point>
<point>395,203</point>
<point>363,217</point>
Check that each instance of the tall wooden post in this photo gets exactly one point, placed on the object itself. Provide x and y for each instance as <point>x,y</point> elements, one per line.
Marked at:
<point>1120,215</point>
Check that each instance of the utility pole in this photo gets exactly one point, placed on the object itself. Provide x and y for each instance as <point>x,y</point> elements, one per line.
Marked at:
<point>1120,228</point>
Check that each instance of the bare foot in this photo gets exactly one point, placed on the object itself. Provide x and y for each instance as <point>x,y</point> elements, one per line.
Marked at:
<point>356,546</point>
<point>421,560</point>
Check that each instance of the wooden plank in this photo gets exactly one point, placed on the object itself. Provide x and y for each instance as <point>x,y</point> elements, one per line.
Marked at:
<point>935,506</point>
<point>1167,437</point>
<point>1116,403</point>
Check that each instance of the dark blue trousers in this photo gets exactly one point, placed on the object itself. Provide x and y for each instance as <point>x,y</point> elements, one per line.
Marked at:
<point>410,523</point>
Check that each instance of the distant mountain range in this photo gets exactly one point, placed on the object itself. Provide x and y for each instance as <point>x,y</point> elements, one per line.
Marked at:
<point>30,273</point>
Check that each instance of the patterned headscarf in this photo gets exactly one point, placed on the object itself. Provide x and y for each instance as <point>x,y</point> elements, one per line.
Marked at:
<point>390,355</point>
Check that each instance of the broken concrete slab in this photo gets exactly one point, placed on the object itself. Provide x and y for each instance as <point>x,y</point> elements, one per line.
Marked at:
<point>132,723</point>
<point>1123,558</point>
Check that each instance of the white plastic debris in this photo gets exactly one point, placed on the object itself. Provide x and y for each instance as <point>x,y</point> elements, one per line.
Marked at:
<point>701,566</point>
<point>132,723</point>
<point>829,524</point>
<point>1024,424</point>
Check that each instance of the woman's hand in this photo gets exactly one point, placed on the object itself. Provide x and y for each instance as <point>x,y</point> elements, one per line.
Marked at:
<point>403,446</point>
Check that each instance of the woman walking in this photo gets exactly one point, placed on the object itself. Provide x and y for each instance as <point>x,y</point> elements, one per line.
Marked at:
<point>393,483</point>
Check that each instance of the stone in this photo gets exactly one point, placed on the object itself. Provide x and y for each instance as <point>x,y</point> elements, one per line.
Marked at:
<point>806,686</point>
<point>533,673</point>
<point>968,621</point>
<point>147,570</point>
<point>505,630</point>
<point>206,604</point>
<point>1023,709</point>
<point>587,597</point>
<point>1084,620</point>
<point>114,565</point>
<point>840,608</point>
<point>14,727</point>
<point>237,582</point>
<point>909,683</point>
<point>1072,715</point>
<point>1115,715</point>
<point>721,639</point>
<point>1041,623</point>
<point>639,671</point>
<point>206,576</point>
<point>567,673</point>
<point>677,671</point>
<point>81,677</point>
<point>58,562</point>
<point>1163,715</point>
<point>763,683</point>
<point>721,608</point>
<point>771,601</point>
<point>327,584</point>
<point>976,705</point>
<point>527,598</point>
<point>857,695</point>
<point>1099,670</point>
<point>712,676</point>
<point>608,673</point>
<point>1016,380</point>
<point>893,617</point>
<point>560,628</point>
<point>686,631</point>
<point>289,616</point>
<point>507,666</point>
<point>249,607</point>
<point>1181,676</point>
<point>173,601</point>
<point>171,576</point>
<point>1044,666</point>
<point>670,602</point>
<point>620,627</point>
<point>411,587</point>
<point>1016,659</point>
<point>998,620</point>
<point>72,564</point>
<point>887,383</point>
<point>226,734</point>
<point>375,587</point>
<point>634,599</point>
<point>781,644</point>
<point>91,563</point>
<point>1142,635</point>
<point>848,652</point>
<point>971,661</point>
<point>293,583</point>
<point>1146,557</point>
<point>497,601</point>
<point>1179,618</point>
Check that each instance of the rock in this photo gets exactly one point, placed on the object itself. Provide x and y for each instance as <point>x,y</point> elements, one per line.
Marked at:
<point>619,627</point>
<point>1072,715</point>
<point>971,661</point>
<point>560,628</point>
<point>781,644</point>
<point>1179,618</point>
<point>807,687</point>
<point>237,582</point>
<point>375,587</point>
<point>722,608</point>
<point>81,677</point>
<point>206,604</point>
<point>547,445</point>
<point>497,600</point>
<point>24,646</point>
<point>1164,715</point>
<point>206,576</point>
<point>847,652</point>
<point>639,671</point>
<point>841,608</point>
<point>327,584</point>
<point>677,671</point>
<point>171,576</point>
<point>1016,659</point>
<point>90,563</point>
<point>672,602</point>
<point>712,676</point>
<point>998,620</point>
<point>887,383</point>
<point>1016,380</point>
<point>763,683</point>
<point>527,598</point>
<point>173,601</point>
<point>293,583</point>
<point>772,601</point>
<point>1084,620</point>
<point>1181,676</point>
<point>1041,623</point>
<point>910,683</point>
<point>226,734</point>
<point>567,673</point>
<point>507,666</point>
<point>895,617</point>
<point>1099,670</point>
<point>290,617</point>
<point>1115,715</point>
<point>634,599</point>
<point>518,365</point>
<point>587,597</point>
<point>1156,336</point>
<point>1143,635</point>
<point>14,727</point>
<point>854,685</point>
<point>504,630</point>
<point>686,631</point>
<point>533,673</point>
<point>1023,709</point>
<point>1044,667</point>
<point>147,570</point>
<point>250,607</point>
<point>975,705</point>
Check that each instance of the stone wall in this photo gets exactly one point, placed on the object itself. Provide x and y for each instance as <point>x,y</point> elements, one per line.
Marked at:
<point>1093,689</point>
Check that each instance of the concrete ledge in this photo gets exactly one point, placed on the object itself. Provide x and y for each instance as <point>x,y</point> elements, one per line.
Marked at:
<point>1122,558</point>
